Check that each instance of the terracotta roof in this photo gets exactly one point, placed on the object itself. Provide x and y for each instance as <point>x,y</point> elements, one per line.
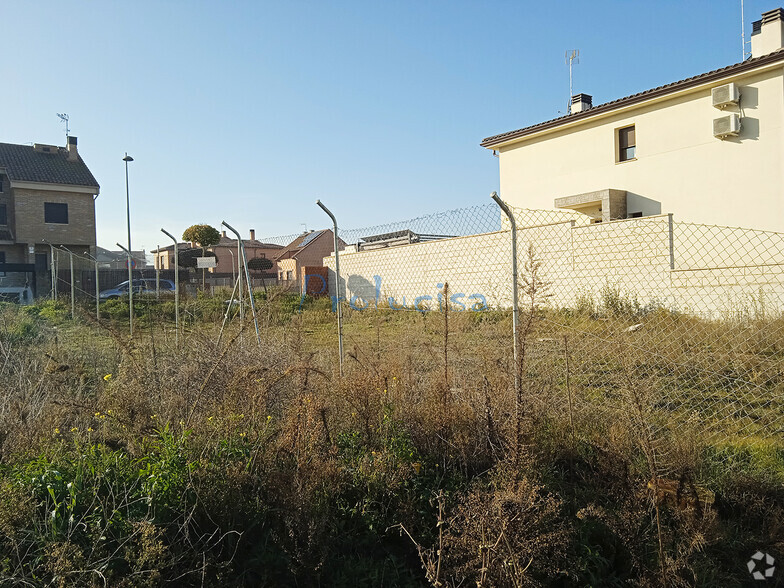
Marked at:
<point>227,242</point>
<point>24,164</point>
<point>710,76</point>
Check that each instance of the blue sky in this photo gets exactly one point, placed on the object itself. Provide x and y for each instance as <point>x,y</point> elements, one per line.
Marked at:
<point>250,111</point>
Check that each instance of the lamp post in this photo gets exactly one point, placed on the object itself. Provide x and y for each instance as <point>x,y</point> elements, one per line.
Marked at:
<point>127,159</point>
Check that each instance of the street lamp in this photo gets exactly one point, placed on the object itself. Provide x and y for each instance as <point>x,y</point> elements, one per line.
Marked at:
<point>126,159</point>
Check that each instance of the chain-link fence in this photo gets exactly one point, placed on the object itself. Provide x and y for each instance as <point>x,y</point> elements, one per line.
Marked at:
<point>673,327</point>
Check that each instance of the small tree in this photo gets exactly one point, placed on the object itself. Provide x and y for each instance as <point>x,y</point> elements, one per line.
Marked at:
<point>260,264</point>
<point>204,236</point>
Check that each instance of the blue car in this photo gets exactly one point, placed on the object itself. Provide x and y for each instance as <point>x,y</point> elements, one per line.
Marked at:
<point>146,286</point>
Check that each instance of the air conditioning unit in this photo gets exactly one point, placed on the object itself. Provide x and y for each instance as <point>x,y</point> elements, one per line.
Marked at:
<point>723,96</point>
<point>726,126</point>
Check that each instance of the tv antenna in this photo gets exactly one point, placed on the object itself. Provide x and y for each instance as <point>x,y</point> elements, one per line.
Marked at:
<point>745,53</point>
<point>64,117</point>
<point>572,56</point>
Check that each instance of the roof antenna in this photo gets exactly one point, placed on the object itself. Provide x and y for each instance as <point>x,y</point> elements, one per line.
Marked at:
<point>305,227</point>
<point>745,54</point>
<point>572,55</point>
<point>64,117</point>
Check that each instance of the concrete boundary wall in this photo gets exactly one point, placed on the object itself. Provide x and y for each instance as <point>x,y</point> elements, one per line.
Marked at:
<point>651,261</point>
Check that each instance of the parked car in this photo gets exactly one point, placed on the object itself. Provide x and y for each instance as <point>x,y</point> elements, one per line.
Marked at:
<point>18,294</point>
<point>145,286</point>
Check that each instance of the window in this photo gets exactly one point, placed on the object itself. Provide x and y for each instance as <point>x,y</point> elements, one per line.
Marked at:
<point>2,260</point>
<point>289,275</point>
<point>627,144</point>
<point>3,215</point>
<point>56,212</point>
<point>2,183</point>
<point>634,215</point>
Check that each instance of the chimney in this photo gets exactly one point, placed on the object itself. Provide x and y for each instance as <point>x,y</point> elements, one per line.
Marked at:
<point>73,152</point>
<point>253,234</point>
<point>223,234</point>
<point>581,102</point>
<point>767,34</point>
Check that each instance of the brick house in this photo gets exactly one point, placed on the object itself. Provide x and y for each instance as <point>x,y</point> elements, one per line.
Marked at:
<point>226,252</point>
<point>307,250</point>
<point>47,198</point>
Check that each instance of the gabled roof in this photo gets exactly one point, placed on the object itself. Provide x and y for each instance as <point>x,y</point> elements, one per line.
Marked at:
<point>22,163</point>
<point>716,74</point>
<point>299,243</point>
<point>254,243</point>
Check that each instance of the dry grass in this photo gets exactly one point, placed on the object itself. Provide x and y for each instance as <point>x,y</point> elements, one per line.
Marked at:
<point>270,469</point>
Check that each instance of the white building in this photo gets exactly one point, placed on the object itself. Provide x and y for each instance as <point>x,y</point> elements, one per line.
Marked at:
<point>709,149</point>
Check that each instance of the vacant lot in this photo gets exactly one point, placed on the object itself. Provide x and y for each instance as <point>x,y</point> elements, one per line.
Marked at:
<point>641,447</point>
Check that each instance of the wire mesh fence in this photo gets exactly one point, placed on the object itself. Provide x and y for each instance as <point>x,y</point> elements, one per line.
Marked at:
<point>673,328</point>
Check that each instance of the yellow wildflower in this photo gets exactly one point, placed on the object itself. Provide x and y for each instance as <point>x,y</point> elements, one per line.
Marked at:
<point>107,377</point>
<point>89,429</point>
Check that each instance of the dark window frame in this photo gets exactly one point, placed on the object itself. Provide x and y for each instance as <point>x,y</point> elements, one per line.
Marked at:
<point>53,213</point>
<point>2,260</point>
<point>3,214</point>
<point>627,143</point>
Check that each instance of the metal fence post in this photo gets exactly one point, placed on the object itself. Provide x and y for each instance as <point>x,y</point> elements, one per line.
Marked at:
<point>515,309</point>
<point>247,276</point>
<point>97,294</point>
<point>73,292</point>
<point>176,286</point>
<point>337,286</point>
<point>54,275</point>
<point>672,241</point>
<point>130,289</point>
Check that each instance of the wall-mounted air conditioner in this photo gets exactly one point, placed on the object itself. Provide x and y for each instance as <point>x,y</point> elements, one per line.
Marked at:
<point>724,96</point>
<point>726,126</point>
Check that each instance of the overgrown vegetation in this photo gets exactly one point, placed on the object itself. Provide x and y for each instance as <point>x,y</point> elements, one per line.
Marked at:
<point>135,463</point>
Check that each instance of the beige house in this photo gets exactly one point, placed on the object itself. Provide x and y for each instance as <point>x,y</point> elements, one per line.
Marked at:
<point>708,149</point>
<point>307,250</point>
<point>47,199</point>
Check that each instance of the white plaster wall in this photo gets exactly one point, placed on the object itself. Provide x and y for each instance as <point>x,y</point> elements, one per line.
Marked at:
<point>577,262</point>
<point>680,167</point>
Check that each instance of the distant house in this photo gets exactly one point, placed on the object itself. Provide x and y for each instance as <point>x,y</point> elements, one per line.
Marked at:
<point>108,259</point>
<point>226,254</point>
<point>163,257</point>
<point>47,199</point>
<point>307,250</point>
<point>708,148</point>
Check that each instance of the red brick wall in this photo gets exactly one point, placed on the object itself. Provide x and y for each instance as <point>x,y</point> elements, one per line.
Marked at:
<point>316,280</point>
